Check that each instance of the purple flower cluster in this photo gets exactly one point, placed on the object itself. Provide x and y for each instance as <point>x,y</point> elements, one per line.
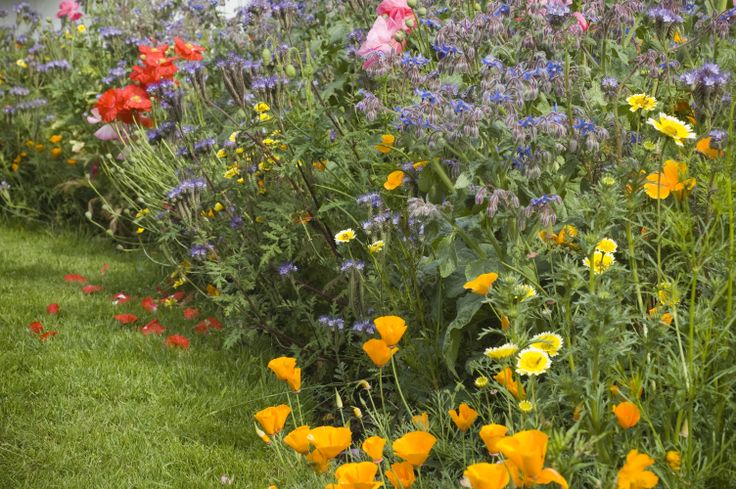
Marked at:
<point>664,16</point>
<point>373,199</point>
<point>187,187</point>
<point>332,322</point>
<point>58,64</point>
<point>364,326</point>
<point>287,268</point>
<point>708,76</point>
<point>351,265</point>
<point>200,252</point>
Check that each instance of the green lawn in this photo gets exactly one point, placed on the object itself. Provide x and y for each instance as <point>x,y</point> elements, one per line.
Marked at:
<point>103,406</point>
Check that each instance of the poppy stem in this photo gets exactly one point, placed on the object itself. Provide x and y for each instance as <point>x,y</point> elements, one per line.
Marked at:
<point>398,387</point>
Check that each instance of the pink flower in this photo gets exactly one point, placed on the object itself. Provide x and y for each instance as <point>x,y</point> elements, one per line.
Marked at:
<point>70,10</point>
<point>398,12</point>
<point>107,133</point>
<point>380,41</point>
<point>582,23</point>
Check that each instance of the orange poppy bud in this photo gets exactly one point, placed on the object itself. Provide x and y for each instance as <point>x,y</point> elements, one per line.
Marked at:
<point>463,417</point>
<point>627,414</point>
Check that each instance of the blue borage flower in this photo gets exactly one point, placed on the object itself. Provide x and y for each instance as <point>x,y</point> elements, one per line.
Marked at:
<point>417,61</point>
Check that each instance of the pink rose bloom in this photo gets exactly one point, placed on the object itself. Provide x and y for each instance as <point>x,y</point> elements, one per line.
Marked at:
<point>380,41</point>
<point>70,10</point>
<point>398,11</point>
<point>582,23</point>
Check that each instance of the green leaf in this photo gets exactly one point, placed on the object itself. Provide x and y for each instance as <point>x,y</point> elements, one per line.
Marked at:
<point>447,255</point>
<point>467,306</point>
<point>463,181</point>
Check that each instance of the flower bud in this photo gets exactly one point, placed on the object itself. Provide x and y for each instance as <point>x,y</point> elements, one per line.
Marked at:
<point>338,400</point>
<point>410,23</point>
<point>400,36</point>
<point>422,11</point>
<point>290,71</point>
<point>411,3</point>
<point>266,56</point>
<point>357,412</point>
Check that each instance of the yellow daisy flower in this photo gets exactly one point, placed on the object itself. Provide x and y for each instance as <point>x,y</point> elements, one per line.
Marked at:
<point>261,107</point>
<point>606,245</point>
<point>533,361</point>
<point>376,246</point>
<point>503,351</point>
<point>548,342</point>
<point>601,262</point>
<point>481,382</point>
<point>672,127</point>
<point>641,101</point>
<point>526,406</point>
<point>345,236</point>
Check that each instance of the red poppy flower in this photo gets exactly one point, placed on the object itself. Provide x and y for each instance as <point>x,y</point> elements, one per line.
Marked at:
<point>214,323</point>
<point>136,98</point>
<point>35,327</point>
<point>47,335</point>
<point>110,104</point>
<point>154,327</point>
<point>120,298</point>
<point>177,340</point>
<point>73,277</point>
<point>149,74</point>
<point>91,289</point>
<point>191,313</point>
<point>187,50</point>
<point>126,318</point>
<point>148,51</point>
<point>52,309</point>
<point>149,304</point>
<point>202,327</point>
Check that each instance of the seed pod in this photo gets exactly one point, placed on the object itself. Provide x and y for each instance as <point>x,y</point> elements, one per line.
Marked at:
<point>266,56</point>
<point>290,71</point>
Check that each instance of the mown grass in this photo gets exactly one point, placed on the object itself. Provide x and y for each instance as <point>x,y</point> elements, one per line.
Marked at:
<point>102,406</point>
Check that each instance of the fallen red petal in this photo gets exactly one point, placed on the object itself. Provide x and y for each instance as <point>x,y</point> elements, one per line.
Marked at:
<point>149,304</point>
<point>91,289</point>
<point>154,327</point>
<point>73,277</point>
<point>105,268</point>
<point>35,327</point>
<point>191,313</point>
<point>52,308</point>
<point>47,335</point>
<point>126,318</point>
<point>120,298</point>
<point>177,340</point>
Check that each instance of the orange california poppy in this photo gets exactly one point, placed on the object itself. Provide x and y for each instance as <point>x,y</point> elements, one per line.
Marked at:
<point>379,352</point>
<point>491,434</point>
<point>421,421</point>
<point>319,462</point>
<point>414,447</point>
<point>627,414</point>
<point>480,284</point>
<point>359,475</point>
<point>670,180</point>
<point>373,446</point>
<point>506,378</point>
<point>391,329</point>
<point>387,141</point>
<point>282,367</point>
<point>633,475</point>
<point>487,476</point>
<point>330,441</point>
<point>703,147</point>
<point>463,417</point>
<point>401,475</point>
<point>297,439</point>
<point>394,180</point>
<point>273,418</point>
<point>524,453</point>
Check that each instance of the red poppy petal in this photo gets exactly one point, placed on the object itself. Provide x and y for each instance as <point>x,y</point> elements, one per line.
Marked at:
<point>176,340</point>
<point>52,308</point>
<point>35,327</point>
<point>149,304</point>
<point>73,277</point>
<point>154,327</point>
<point>104,269</point>
<point>91,289</point>
<point>47,335</point>
<point>214,323</point>
<point>126,318</point>
<point>120,298</point>
<point>202,327</point>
